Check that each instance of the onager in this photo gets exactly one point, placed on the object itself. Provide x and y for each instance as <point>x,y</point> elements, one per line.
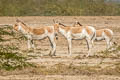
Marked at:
<point>105,34</point>
<point>102,34</point>
<point>36,33</point>
<point>93,36</point>
<point>76,33</point>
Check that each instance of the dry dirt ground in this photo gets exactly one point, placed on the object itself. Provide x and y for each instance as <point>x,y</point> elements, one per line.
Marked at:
<point>99,62</point>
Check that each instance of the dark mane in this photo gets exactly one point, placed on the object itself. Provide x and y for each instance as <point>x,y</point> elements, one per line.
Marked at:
<point>79,23</point>
<point>62,24</point>
<point>23,23</point>
<point>20,22</point>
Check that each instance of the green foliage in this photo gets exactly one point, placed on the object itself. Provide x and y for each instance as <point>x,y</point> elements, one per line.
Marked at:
<point>58,8</point>
<point>10,59</point>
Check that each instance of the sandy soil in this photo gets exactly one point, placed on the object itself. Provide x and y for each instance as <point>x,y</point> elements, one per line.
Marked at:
<point>79,48</point>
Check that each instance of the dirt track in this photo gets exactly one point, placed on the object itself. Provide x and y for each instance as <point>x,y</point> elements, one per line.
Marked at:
<point>79,48</point>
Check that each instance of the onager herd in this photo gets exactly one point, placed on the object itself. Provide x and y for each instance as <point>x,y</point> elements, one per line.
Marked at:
<point>75,32</point>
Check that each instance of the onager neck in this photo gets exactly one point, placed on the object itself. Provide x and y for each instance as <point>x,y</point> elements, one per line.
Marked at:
<point>25,28</point>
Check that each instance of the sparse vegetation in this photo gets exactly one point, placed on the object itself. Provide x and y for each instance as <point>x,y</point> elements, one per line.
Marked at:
<point>63,69</point>
<point>13,65</point>
<point>58,8</point>
<point>9,58</point>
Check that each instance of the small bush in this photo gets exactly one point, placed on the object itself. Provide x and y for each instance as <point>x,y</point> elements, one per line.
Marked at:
<point>10,59</point>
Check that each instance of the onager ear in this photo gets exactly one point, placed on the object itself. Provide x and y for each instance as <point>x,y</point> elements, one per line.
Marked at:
<point>77,22</point>
<point>54,21</point>
<point>17,20</point>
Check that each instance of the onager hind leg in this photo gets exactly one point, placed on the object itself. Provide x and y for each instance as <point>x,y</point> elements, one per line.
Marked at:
<point>108,43</point>
<point>53,45</point>
<point>89,47</point>
<point>32,43</point>
<point>93,39</point>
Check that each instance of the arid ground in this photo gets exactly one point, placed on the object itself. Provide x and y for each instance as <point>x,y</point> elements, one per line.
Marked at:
<point>103,65</point>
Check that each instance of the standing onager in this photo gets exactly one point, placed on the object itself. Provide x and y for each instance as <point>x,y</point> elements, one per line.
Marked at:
<point>70,33</point>
<point>102,34</point>
<point>37,33</point>
<point>105,34</point>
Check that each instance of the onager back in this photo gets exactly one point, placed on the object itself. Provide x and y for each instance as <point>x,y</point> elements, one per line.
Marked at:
<point>37,33</point>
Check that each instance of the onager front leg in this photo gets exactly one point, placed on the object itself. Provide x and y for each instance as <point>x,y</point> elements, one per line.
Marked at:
<point>69,45</point>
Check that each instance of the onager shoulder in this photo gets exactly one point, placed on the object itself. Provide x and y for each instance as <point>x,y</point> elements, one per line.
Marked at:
<point>50,29</point>
<point>66,28</point>
<point>38,31</point>
<point>76,30</point>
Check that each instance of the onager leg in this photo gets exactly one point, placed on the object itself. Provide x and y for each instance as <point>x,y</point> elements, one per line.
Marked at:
<point>29,43</point>
<point>32,43</point>
<point>53,45</point>
<point>89,46</point>
<point>69,45</point>
<point>93,39</point>
<point>107,43</point>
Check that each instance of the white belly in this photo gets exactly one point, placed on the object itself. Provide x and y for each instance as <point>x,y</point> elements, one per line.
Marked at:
<point>39,36</point>
<point>99,38</point>
<point>78,36</point>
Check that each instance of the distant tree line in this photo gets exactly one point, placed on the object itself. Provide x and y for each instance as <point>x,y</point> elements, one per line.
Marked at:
<point>59,8</point>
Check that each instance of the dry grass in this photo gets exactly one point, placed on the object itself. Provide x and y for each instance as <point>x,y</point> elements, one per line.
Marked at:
<point>104,62</point>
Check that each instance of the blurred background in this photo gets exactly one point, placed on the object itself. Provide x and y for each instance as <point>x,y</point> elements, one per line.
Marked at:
<point>59,7</point>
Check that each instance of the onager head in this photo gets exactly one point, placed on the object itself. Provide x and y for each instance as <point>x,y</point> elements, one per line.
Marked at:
<point>17,26</point>
<point>56,28</point>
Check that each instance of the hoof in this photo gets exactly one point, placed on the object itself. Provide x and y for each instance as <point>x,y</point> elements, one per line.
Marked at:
<point>87,56</point>
<point>54,55</point>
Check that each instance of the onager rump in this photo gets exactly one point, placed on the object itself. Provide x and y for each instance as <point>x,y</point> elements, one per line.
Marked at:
<point>37,33</point>
<point>105,34</point>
